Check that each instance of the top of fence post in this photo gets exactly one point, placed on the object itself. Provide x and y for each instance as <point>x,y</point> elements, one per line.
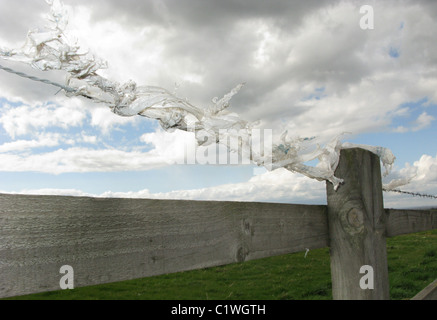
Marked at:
<point>357,229</point>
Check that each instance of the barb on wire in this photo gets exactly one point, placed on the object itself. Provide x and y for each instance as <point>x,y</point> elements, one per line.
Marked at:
<point>414,194</point>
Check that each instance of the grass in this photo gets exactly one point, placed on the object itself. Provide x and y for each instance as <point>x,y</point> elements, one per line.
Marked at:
<point>412,263</point>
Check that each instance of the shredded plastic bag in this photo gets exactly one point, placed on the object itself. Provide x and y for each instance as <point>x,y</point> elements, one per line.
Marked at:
<point>53,49</point>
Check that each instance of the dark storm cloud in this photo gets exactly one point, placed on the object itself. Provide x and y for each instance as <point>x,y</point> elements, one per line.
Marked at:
<point>204,14</point>
<point>283,50</point>
<point>210,36</point>
<point>18,16</point>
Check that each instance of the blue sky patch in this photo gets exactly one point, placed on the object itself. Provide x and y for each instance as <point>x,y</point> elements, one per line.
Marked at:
<point>394,52</point>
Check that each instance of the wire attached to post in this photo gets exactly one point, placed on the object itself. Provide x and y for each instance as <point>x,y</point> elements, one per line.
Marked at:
<point>414,194</point>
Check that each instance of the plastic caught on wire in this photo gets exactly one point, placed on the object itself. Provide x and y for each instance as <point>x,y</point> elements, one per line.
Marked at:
<point>53,49</point>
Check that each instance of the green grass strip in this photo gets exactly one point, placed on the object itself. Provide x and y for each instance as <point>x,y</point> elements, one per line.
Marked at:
<point>412,263</point>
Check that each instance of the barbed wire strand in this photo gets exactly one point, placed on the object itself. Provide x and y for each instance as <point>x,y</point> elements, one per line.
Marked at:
<point>414,194</point>
<point>45,81</point>
<point>23,75</point>
<point>69,89</point>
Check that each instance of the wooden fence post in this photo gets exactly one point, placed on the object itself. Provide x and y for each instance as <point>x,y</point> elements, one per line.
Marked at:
<point>356,222</point>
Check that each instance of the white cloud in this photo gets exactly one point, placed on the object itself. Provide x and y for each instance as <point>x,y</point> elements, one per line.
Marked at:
<point>425,170</point>
<point>105,120</point>
<point>423,179</point>
<point>423,121</point>
<point>171,147</point>
<point>80,160</point>
<point>276,186</point>
<point>284,50</point>
<point>282,186</point>
<point>50,192</point>
<point>44,140</point>
<point>25,119</point>
<point>88,139</point>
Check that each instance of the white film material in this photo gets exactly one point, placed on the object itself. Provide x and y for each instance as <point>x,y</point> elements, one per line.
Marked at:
<point>52,49</point>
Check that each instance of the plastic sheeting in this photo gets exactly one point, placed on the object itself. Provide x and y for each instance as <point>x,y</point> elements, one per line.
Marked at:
<point>52,49</point>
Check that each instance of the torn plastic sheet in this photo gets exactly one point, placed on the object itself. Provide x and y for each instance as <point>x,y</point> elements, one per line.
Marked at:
<point>52,49</point>
<point>396,183</point>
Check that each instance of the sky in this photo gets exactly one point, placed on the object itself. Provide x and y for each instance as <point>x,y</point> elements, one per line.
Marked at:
<point>309,67</point>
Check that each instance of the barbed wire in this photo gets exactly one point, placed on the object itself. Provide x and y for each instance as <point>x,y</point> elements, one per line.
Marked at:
<point>45,81</point>
<point>69,89</point>
<point>23,75</point>
<point>414,194</point>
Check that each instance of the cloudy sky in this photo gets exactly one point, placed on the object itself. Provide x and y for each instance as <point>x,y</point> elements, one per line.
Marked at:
<point>308,66</point>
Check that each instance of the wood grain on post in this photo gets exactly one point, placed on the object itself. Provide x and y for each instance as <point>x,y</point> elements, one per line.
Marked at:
<point>356,222</point>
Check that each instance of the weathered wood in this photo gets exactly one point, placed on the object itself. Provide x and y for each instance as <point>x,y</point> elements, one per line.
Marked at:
<point>356,220</point>
<point>108,240</point>
<point>429,293</point>
<point>410,221</point>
